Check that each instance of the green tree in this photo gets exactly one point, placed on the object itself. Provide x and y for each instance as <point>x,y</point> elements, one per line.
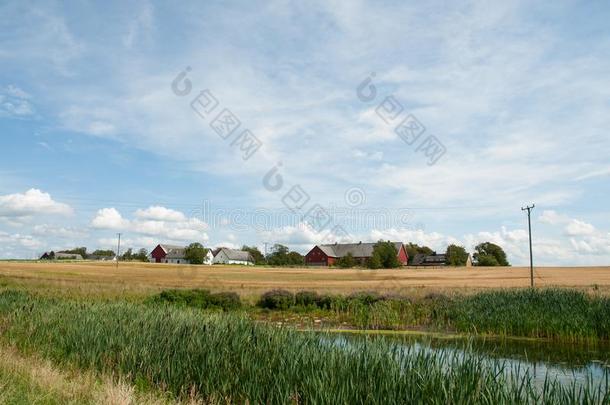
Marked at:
<point>295,259</point>
<point>346,261</point>
<point>128,255</point>
<point>141,256</point>
<point>413,249</point>
<point>374,262</point>
<point>278,255</point>
<point>486,261</point>
<point>195,253</point>
<point>105,253</point>
<point>256,254</point>
<point>456,255</point>
<point>282,256</point>
<point>386,254</point>
<point>489,254</point>
<point>77,251</point>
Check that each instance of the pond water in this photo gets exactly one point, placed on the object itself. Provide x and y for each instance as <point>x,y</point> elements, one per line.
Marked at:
<point>580,363</point>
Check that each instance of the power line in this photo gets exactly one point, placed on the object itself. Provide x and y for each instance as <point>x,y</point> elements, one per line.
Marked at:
<point>529,224</point>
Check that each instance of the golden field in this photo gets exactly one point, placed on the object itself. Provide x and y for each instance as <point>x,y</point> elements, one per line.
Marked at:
<point>103,278</point>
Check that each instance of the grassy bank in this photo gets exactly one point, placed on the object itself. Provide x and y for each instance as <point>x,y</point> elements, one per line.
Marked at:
<point>227,358</point>
<point>560,314</point>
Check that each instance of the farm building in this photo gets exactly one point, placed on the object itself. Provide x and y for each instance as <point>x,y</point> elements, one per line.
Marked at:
<point>60,256</point>
<point>164,253</point>
<point>434,260</point>
<point>422,259</point>
<point>233,256</point>
<point>327,255</point>
<point>168,254</point>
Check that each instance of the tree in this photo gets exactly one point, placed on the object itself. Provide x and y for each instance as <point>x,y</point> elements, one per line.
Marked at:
<point>413,249</point>
<point>487,261</point>
<point>77,251</point>
<point>386,254</point>
<point>278,255</point>
<point>295,259</point>
<point>128,255</point>
<point>346,261</point>
<point>374,262</point>
<point>256,254</point>
<point>282,256</point>
<point>104,253</point>
<point>489,254</point>
<point>195,253</point>
<point>141,256</point>
<point>456,255</point>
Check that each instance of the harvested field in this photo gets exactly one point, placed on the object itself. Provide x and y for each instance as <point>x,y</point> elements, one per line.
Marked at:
<point>141,278</point>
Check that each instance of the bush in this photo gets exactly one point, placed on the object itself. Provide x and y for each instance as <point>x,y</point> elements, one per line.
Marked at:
<point>306,298</point>
<point>346,261</point>
<point>277,299</point>
<point>366,297</point>
<point>226,300</point>
<point>201,299</point>
<point>325,301</point>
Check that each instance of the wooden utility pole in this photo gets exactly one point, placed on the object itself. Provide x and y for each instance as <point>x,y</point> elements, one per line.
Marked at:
<point>118,250</point>
<point>529,224</point>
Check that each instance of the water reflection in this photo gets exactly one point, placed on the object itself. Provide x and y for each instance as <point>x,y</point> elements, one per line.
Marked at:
<point>580,363</point>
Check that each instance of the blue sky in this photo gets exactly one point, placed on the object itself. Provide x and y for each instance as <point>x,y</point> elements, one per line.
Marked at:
<point>96,141</point>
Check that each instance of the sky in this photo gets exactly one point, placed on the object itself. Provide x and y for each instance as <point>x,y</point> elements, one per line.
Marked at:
<point>231,123</point>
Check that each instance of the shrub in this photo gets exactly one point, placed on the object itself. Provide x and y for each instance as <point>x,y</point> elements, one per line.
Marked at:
<point>276,299</point>
<point>325,301</point>
<point>306,298</point>
<point>201,299</point>
<point>366,297</point>
<point>226,300</point>
<point>346,261</point>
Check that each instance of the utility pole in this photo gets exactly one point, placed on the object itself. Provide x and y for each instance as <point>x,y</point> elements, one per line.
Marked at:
<point>529,224</point>
<point>118,250</point>
<point>266,243</point>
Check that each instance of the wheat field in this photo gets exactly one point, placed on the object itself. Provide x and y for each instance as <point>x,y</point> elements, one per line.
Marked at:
<point>104,278</point>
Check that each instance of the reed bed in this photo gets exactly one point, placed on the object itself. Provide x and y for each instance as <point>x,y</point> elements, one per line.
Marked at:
<point>540,313</point>
<point>224,357</point>
<point>559,314</point>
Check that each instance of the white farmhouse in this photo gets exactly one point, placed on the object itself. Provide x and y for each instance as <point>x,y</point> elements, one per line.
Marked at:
<point>209,258</point>
<point>233,256</point>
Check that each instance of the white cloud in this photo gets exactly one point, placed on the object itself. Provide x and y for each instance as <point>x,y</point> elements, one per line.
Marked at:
<point>552,217</point>
<point>163,223</point>
<point>32,202</point>
<point>579,228</point>
<point>14,241</point>
<point>14,102</point>
<point>434,240</point>
<point>47,230</point>
<point>126,243</point>
<point>109,218</point>
<point>159,213</point>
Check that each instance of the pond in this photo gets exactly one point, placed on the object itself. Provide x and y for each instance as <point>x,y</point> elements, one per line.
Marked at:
<point>580,363</point>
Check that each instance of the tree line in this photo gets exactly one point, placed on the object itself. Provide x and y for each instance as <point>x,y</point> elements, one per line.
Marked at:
<point>129,255</point>
<point>384,255</point>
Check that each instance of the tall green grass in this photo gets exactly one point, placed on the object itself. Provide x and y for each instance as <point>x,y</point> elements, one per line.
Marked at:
<point>560,314</point>
<point>227,358</point>
<point>546,313</point>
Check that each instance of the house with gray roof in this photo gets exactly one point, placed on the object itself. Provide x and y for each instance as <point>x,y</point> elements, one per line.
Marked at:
<point>433,260</point>
<point>233,256</point>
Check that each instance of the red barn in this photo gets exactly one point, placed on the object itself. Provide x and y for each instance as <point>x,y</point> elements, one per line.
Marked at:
<point>327,255</point>
<point>168,254</point>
